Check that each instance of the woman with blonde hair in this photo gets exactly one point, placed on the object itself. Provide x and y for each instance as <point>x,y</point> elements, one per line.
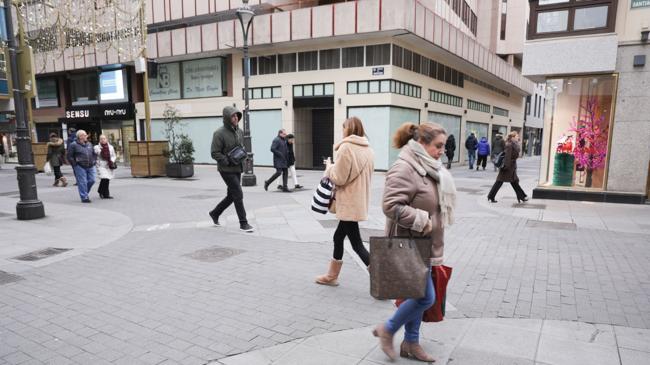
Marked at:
<point>351,175</point>
<point>419,200</point>
<point>105,165</point>
<point>508,172</point>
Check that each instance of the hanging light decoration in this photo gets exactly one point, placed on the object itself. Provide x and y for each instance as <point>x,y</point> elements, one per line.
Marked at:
<point>88,27</point>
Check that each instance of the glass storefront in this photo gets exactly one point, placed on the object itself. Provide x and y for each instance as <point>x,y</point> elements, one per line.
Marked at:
<point>579,116</point>
<point>451,123</point>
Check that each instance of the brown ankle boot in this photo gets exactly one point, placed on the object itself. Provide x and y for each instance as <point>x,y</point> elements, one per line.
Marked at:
<point>385,341</point>
<point>56,182</point>
<point>331,278</point>
<point>414,351</point>
<point>64,181</point>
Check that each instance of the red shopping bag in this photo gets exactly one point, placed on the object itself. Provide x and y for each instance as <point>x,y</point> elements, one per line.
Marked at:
<point>440,276</point>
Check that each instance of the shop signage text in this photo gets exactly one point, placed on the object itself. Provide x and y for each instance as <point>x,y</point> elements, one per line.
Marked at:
<point>75,114</point>
<point>107,111</point>
<point>114,112</point>
<point>640,3</point>
<point>377,71</point>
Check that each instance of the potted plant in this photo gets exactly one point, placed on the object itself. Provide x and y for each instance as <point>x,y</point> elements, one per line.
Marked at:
<point>181,148</point>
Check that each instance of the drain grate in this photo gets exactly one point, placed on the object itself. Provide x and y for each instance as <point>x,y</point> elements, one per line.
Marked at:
<point>6,278</point>
<point>41,254</point>
<point>530,206</point>
<point>199,197</point>
<point>214,254</point>
<point>551,225</point>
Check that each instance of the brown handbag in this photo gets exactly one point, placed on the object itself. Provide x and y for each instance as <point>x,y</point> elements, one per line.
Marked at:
<point>399,265</point>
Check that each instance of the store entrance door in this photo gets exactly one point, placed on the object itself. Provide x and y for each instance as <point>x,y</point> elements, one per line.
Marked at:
<point>322,136</point>
<point>119,133</point>
<point>93,129</point>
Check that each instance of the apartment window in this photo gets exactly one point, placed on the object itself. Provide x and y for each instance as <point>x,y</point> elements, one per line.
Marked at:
<point>478,106</point>
<point>424,70</point>
<point>310,90</point>
<point>398,56</point>
<point>444,98</point>
<point>528,99</point>
<point>330,59</point>
<point>383,86</point>
<point>553,18</point>
<point>308,61</point>
<point>287,63</point>
<point>264,92</point>
<point>253,66</point>
<point>267,64</point>
<point>378,55</point>
<point>500,111</point>
<point>417,63</point>
<point>352,57</point>
<point>432,69</point>
<point>84,88</point>
<point>408,59</point>
<point>504,11</point>
<point>48,94</point>
<point>441,72</point>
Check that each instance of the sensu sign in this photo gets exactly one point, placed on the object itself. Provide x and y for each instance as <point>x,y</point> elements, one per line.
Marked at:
<point>77,114</point>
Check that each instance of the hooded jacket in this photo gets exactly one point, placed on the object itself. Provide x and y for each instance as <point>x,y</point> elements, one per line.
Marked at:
<point>225,139</point>
<point>471,143</point>
<point>498,146</point>
<point>55,152</point>
<point>483,147</point>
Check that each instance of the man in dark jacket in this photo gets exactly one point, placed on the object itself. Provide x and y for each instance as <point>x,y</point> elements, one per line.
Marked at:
<point>291,139</point>
<point>224,140</point>
<point>483,153</point>
<point>82,157</point>
<point>471,144</point>
<point>450,148</point>
<point>280,160</point>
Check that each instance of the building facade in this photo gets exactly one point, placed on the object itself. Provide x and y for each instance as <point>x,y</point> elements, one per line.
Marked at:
<point>313,64</point>
<point>592,58</point>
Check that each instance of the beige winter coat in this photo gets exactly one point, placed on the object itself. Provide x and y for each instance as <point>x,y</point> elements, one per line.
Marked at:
<point>351,174</point>
<point>417,197</point>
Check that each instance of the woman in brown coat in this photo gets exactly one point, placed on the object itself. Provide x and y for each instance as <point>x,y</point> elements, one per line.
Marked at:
<point>420,193</point>
<point>351,175</point>
<point>508,173</point>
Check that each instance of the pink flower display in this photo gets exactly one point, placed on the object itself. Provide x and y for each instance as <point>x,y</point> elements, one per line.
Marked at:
<point>592,132</point>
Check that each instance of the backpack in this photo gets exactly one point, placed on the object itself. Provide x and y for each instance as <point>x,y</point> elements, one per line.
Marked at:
<point>499,160</point>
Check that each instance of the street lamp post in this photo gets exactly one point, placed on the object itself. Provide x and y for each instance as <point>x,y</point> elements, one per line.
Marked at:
<point>29,207</point>
<point>246,15</point>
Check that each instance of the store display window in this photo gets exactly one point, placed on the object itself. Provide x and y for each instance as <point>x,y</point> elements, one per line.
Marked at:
<point>579,117</point>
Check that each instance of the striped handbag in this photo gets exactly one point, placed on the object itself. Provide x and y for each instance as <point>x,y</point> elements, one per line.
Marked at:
<point>323,196</point>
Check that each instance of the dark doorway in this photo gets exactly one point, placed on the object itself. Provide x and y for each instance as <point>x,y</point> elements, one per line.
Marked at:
<point>322,135</point>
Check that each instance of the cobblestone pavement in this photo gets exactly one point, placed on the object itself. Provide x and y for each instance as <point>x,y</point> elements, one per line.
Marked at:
<point>173,289</point>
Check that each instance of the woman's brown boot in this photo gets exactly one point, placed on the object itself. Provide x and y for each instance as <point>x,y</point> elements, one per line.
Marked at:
<point>331,278</point>
<point>414,351</point>
<point>385,341</point>
<point>56,182</point>
<point>64,181</point>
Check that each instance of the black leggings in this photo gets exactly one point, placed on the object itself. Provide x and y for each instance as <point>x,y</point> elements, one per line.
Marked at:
<point>351,230</point>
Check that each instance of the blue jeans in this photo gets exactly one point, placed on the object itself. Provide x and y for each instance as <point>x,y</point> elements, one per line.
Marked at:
<point>471,156</point>
<point>409,314</point>
<point>85,179</point>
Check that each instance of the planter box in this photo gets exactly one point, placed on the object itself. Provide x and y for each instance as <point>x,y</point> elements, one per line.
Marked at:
<point>148,158</point>
<point>180,170</point>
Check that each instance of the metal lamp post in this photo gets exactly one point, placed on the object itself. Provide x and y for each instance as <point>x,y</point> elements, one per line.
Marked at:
<point>29,207</point>
<point>245,15</point>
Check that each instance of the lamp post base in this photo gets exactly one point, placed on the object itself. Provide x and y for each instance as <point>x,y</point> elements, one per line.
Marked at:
<point>249,179</point>
<point>29,207</point>
<point>28,210</point>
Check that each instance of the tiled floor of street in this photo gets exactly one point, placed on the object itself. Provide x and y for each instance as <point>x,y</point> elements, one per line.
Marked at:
<point>149,280</point>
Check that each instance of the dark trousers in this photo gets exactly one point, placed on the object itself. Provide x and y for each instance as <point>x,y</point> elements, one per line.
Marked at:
<point>351,230</point>
<point>482,161</point>
<point>57,172</point>
<point>515,185</point>
<point>234,195</point>
<point>103,188</point>
<point>278,172</point>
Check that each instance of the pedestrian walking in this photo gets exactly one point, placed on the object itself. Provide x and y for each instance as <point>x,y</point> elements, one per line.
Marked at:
<point>56,158</point>
<point>508,173</point>
<point>422,191</point>
<point>499,145</point>
<point>483,153</point>
<point>280,160</point>
<point>351,175</point>
<point>292,162</point>
<point>471,144</point>
<point>450,148</point>
<point>228,150</point>
<point>2,151</point>
<point>81,156</point>
<point>72,136</point>
<point>106,160</point>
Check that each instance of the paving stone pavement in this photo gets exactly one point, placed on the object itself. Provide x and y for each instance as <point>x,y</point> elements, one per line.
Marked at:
<point>144,298</point>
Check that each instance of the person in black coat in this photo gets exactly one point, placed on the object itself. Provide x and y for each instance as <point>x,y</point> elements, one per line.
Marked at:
<point>450,148</point>
<point>280,160</point>
<point>508,173</point>
<point>291,162</point>
<point>471,144</point>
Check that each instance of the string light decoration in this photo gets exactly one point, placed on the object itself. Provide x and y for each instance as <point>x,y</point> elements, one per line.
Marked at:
<point>88,27</point>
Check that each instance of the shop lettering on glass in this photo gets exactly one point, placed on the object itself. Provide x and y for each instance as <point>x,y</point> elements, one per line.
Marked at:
<point>202,78</point>
<point>76,114</point>
<point>164,82</point>
<point>640,3</point>
<point>114,112</point>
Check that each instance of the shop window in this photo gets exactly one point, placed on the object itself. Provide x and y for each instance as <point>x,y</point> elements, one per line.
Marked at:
<point>113,86</point>
<point>48,95</point>
<point>167,83</point>
<point>553,18</point>
<point>352,57</point>
<point>287,63</point>
<point>203,78</point>
<point>377,55</point>
<point>308,61</point>
<point>580,126</point>
<point>330,59</point>
<point>84,88</point>
<point>267,64</point>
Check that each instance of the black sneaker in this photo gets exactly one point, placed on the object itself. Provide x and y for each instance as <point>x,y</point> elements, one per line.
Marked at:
<point>215,218</point>
<point>85,200</point>
<point>297,186</point>
<point>246,227</point>
<point>266,185</point>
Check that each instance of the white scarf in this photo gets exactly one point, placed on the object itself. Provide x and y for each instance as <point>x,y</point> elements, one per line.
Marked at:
<point>446,186</point>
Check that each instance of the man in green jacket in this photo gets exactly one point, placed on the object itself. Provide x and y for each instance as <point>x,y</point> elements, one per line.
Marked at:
<point>224,140</point>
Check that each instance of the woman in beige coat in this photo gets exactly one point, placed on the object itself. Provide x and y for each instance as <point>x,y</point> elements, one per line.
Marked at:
<point>351,175</point>
<point>420,193</point>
